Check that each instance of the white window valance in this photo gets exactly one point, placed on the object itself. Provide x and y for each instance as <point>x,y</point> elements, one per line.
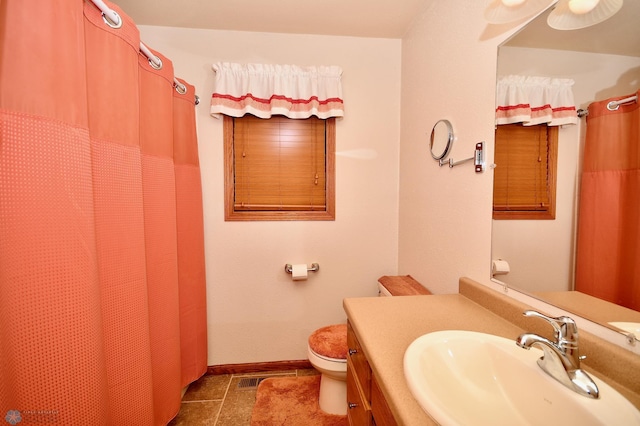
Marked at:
<point>535,100</point>
<point>266,90</point>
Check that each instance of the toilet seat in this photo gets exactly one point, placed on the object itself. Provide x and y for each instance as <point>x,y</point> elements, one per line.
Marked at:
<point>326,358</point>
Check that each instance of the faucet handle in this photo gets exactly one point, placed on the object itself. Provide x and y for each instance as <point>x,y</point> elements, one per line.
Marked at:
<point>566,330</point>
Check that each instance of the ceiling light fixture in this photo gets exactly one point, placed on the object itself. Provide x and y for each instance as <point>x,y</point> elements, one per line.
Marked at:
<point>580,7</point>
<point>576,14</point>
<point>505,11</point>
<point>512,3</point>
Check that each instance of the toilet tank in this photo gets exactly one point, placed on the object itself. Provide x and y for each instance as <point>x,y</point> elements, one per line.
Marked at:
<point>382,291</point>
<point>400,285</point>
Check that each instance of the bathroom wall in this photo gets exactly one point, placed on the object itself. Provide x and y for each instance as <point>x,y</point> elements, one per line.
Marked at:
<point>448,71</point>
<point>397,211</point>
<point>449,60</point>
<point>255,312</point>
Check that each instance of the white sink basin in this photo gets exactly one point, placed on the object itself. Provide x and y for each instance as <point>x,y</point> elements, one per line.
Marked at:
<point>468,378</point>
<point>628,327</point>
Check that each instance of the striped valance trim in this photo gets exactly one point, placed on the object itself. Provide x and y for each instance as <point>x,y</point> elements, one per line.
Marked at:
<point>534,100</point>
<point>266,90</point>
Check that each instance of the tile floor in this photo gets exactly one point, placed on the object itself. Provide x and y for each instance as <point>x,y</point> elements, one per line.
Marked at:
<point>216,400</point>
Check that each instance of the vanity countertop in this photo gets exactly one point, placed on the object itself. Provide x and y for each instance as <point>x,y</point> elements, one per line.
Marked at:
<point>584,305</point>
<point>386,326</point>
<point>390,324</point>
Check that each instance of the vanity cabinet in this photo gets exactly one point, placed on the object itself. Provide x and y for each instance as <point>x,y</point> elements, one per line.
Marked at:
<point>367,405</point>
<point>379,408</point>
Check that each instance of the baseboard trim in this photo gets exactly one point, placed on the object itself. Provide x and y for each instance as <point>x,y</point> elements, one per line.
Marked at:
<point>256,367</point>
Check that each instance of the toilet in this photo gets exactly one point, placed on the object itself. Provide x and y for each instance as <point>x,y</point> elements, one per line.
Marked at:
<point>327,351</point>
<point>327,347</point>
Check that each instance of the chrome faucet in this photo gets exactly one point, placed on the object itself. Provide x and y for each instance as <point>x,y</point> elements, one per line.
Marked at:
<point>561,359</point>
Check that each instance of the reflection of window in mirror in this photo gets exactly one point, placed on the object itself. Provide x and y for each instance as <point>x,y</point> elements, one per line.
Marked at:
<point>279,168</point>
<point>524,182</point>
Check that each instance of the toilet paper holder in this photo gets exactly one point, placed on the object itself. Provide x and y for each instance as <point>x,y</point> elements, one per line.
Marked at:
<point>288,268</point>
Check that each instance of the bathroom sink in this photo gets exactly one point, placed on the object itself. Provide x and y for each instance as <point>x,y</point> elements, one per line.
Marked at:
<point>468,378</point>
<point>628,327</point>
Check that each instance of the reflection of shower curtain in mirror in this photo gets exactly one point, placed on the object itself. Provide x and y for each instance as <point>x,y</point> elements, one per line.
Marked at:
<point>102,304</point>
<point>608,246</point>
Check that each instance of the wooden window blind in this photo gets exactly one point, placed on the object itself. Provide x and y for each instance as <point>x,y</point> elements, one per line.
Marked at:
<point>279,168</point>
<point>524,182</point>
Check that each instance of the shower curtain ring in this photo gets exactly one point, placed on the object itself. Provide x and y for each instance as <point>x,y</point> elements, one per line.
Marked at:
<point>613,106</point>
<point>155,62</point>
<point>110,22</point>
<point>180,88</point>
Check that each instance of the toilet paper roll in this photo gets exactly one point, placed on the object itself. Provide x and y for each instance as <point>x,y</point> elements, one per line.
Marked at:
<point>299,272</point>
<point>500,267</point>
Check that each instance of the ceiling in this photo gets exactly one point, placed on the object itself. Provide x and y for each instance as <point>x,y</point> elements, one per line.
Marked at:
<point>370,18</point>
<point>358,18</point>
<point>619,35</point>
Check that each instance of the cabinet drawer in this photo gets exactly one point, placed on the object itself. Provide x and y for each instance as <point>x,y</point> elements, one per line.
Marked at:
<point>379,407</point>
<point>359,411</point>
<point>359,362</point>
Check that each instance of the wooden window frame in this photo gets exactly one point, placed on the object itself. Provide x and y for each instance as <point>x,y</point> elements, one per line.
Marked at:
<point>230,214</point>
<point>552,167</point>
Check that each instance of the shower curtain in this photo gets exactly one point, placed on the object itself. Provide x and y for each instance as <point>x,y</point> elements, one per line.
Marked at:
<point>102,293</point>
<point>608,244</point>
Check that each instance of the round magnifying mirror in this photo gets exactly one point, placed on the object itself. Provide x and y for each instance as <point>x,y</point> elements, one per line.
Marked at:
<point>441,139</point>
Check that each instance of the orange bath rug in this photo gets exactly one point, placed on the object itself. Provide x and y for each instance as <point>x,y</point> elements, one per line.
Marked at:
<point>292,401</point>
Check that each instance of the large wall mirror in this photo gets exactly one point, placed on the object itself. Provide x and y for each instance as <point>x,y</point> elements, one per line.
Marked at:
<point>604,62</point>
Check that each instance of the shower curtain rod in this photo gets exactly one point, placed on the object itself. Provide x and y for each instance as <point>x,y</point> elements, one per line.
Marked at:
<point>614,105</point>
<point>611,106</point>
<point>156,63</point>
<point>112,19</point>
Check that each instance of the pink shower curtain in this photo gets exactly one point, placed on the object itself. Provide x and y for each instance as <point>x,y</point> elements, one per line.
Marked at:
<point>608,253</point>
<point>102,293</point>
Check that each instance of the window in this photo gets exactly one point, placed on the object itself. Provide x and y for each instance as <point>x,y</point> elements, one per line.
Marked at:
<point>279,168</point>
<point>524,183</point>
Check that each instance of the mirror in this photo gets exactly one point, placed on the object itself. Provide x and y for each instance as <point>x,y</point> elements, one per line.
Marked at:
<point>604,61</point>
<point>441,139</point>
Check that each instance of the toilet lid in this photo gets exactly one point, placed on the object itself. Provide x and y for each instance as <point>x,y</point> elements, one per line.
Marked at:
<point>330,341</point>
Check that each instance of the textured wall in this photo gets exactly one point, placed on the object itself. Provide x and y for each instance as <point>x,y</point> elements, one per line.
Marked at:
<point>256,313</point>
